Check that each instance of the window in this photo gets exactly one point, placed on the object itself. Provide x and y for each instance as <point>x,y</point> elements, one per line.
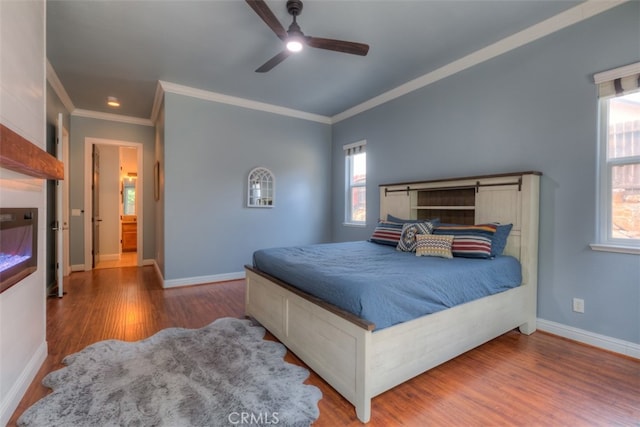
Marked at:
<point>356,183</point>
<point>619,158</point>
<point>129,196</point>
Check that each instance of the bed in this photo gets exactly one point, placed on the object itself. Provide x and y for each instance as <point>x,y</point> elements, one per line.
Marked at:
<point>364,353</point>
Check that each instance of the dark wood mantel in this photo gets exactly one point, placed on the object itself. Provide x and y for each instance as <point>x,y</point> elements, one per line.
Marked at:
<point>21,155</point>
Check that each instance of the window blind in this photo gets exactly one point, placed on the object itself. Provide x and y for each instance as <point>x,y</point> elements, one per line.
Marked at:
<point>619,81</point>
<point>354,148</point>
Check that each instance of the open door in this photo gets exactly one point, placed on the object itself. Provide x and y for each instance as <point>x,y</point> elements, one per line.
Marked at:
<point>58,224</point>
<point>95,200</point>
<point>62,222</point>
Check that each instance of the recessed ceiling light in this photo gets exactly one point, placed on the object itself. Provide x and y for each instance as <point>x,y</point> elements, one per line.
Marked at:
<point>112,101</point>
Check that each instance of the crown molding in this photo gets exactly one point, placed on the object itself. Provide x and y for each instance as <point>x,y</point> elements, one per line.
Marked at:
<point>58,88</point>
<point>157,102</point>
<point>240,102</point>
<point>558,22</point>
<point>111,117</point>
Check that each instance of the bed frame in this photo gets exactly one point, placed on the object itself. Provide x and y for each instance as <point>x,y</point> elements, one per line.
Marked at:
<point>359,362</point>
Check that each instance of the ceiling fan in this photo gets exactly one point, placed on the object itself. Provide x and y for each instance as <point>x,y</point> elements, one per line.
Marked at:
<point>295,39</point>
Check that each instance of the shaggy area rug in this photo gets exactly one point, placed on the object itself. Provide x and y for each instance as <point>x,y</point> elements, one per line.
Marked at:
<point>224,374</point>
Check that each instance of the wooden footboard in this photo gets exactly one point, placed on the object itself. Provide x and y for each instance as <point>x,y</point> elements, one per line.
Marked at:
<point>337,349</point>
<point>360,363</point>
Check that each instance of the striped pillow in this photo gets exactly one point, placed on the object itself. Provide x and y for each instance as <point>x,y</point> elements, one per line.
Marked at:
<point>432,245</point>
<point>387,233</point>
<point>471,241</point>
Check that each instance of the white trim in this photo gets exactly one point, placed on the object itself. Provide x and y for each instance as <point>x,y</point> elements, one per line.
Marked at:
<point>157,102</point>
<point>199,280</point>
<point>58,88</point>
<point>615,345</point>
<point>109,257</point>
<point>77,267</point>
<point>555,23</point>
<point>617,73</point>
<point>13,397</point>
<point>621,249</point>
<point>156,268</point>
<point>111,117</point>
<point>241,102</point>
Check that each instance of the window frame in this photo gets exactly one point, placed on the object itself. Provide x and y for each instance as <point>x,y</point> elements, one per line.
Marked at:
<point>352,150</point>
<point>604,191</point>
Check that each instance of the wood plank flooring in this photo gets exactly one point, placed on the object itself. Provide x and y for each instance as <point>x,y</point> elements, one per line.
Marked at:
<point>127,259</point>
<point>537,380</point>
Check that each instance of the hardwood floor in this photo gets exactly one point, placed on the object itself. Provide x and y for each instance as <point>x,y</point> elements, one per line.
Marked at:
<point>127,259</point>
<point>537,380</point>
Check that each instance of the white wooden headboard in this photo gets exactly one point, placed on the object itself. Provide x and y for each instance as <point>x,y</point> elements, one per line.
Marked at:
<point>506,198</point>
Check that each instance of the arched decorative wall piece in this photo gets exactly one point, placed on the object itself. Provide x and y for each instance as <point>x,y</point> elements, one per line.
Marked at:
<point>260,188</point>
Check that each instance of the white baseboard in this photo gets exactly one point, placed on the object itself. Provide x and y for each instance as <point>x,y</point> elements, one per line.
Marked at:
<point>198,280</point>
<point>77,267</point>
<point>19,388</point>
<point>110,257</point>
<point>602,341</point>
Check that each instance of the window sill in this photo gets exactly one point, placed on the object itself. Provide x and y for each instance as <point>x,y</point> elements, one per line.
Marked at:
<point>615,248</point>
<point>354,224</point>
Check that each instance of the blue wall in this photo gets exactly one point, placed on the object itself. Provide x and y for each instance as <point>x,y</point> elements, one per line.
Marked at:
<point>209,149</point>
<point>534,108</point>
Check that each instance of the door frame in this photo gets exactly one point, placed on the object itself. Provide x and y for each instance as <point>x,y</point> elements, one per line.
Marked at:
<point>88,208</point>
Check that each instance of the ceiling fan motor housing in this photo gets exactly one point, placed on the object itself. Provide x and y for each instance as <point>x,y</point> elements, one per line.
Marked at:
<point>294,7</point>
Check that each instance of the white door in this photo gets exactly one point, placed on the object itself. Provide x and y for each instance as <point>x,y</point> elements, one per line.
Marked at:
<point>61,222</point>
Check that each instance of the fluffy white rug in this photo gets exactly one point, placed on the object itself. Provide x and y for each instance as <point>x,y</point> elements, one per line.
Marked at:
<point>224,374</point>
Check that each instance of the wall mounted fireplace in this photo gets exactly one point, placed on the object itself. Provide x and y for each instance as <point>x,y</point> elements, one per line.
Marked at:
<point>18,245</point>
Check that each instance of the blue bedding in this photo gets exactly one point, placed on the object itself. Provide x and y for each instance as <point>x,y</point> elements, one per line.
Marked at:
<point>385,286</point>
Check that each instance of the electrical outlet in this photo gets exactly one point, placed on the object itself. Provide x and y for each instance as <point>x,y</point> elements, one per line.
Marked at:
<point>578,305</point>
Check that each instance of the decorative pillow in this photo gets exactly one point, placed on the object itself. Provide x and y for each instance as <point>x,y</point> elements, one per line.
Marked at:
<point>432,245</point>
<point>407,241</point>
<point>499,240</point>
<point>471,241</point>
<point>471,246</point>
<point>387,233</point>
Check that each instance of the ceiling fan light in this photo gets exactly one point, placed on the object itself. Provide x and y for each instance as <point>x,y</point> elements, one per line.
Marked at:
<point>294,45</point>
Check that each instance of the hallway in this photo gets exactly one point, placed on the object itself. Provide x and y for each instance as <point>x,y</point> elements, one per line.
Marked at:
<point>127,259</point>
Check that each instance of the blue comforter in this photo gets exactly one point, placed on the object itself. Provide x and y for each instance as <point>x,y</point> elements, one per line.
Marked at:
<point>382,285</point>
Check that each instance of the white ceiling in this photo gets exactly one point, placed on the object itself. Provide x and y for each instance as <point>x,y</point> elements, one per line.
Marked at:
<point>123,48</point>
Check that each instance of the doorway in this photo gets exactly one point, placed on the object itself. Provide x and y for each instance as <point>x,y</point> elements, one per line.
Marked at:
<point>113,203</point>
<point>57,219</point>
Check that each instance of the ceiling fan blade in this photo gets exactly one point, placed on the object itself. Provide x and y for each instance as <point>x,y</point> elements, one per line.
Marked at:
<point>338,45</point>
<point>263,11</point>
<point>273,61</point>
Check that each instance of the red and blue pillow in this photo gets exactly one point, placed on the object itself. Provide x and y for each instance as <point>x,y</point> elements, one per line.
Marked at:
<point>470,241</point>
